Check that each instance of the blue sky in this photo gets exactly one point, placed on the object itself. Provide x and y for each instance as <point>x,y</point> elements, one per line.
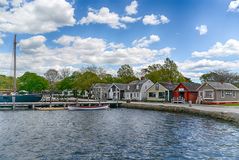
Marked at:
<point>200,36</point>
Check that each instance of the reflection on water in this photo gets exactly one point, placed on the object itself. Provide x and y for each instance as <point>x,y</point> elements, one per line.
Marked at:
<point>114,134</point>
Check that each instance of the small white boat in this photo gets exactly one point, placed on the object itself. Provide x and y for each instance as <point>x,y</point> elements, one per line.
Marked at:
<point>98,107</point>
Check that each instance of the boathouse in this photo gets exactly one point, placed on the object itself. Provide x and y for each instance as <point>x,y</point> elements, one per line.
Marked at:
<point>218,93</point>
<point>136,90</point>
<point>185,92</point>
<point>100,91</point>
<point>117,91</point>
<point>157,92</point>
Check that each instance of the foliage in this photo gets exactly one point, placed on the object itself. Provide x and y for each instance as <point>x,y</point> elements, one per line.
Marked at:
<point>6,82</point>
<point>52,75</point>
<point>168,72</point>
<point>221,76</point>
<point>32,82</point>
<point>126,74</point>
<point>85,81</point>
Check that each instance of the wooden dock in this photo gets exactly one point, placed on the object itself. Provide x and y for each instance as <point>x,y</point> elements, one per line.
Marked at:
<point>33,105</point>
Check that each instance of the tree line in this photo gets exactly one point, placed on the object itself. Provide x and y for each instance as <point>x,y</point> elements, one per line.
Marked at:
<point>64,79</point>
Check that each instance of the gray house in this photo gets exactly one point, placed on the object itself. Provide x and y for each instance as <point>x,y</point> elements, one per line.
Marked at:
<point>100,91</point>
<point>117,91</point>
<point>217,93</point>
<point>136,90</point>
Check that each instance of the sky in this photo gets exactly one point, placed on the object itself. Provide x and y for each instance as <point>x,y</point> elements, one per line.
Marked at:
<point>200,36</point>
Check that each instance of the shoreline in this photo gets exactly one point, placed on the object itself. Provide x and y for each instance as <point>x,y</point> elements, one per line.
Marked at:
<point>225,115</point>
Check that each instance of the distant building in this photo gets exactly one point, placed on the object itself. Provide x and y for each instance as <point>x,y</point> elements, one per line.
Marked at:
<point>117,91</point>
<point>185,92</point>
<point>217,93</point>
<point>136,90</point>
<point>170,87</point>
<point>157,92</point>
<point>100,91</point>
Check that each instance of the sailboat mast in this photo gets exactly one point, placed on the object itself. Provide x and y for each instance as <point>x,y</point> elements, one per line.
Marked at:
<point>15,65</point>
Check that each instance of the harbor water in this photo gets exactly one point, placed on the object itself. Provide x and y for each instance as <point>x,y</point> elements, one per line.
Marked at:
<point>114,134</point>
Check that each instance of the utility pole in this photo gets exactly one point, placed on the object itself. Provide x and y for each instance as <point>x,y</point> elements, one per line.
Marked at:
<point>15,73</point>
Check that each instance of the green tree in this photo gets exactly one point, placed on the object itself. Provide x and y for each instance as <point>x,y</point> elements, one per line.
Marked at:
<point>221,76</point>
<point>85,81</point>
<point>126,74</point>
<point>6,82</point>
<point>168,72</point>
<point>32,82</point>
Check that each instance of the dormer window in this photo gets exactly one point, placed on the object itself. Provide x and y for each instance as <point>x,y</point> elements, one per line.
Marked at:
<point>157,87</point>
<point>137,87</point>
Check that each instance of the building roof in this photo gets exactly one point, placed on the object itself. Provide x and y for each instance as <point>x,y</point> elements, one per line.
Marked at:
<point>121,86</point>
<point>221,86</point>
<point>169,86</point>
<point>133,85</point>
<point>101,85</point>
<point>191,86</point>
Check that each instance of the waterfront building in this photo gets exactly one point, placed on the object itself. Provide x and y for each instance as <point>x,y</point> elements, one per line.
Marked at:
<point>218,93</point>
<point>157,92</point>
<point>186,92</point>
<point>136,90</point>
<point>100,91</point>
<point>117,91</point>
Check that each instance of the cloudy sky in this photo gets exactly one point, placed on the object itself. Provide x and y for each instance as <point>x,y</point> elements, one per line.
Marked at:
<point>199,36</point>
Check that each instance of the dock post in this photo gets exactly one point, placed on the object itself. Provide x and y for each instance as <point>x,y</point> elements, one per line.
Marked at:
<point>33,106</point>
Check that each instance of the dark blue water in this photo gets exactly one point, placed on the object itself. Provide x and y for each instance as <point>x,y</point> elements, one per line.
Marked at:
<point>114,134</point>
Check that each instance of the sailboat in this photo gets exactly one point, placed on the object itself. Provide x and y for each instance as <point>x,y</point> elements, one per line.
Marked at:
<point>15,97</point>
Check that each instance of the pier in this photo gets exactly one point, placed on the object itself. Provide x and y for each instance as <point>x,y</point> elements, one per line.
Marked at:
<point>33,105</point>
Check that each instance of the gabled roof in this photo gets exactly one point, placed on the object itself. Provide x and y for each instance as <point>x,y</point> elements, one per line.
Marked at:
<point>191,86</point>
<point>121,86</point>
<point>154,85</point>
<point>133,85</point>
<point>101,85</point>
<point>221,86</point>
<point>169,86</point>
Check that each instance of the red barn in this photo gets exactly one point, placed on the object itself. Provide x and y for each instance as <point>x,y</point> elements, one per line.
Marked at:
<point>185,92</point>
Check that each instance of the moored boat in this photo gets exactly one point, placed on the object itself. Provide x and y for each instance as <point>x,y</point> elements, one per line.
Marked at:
<point>96,107</point>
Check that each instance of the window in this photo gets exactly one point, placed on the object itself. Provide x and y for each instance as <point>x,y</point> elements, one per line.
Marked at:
<point>234,94</point>
<point>152,94</point>
<point>137,87</point>
<point>134,94</point>
<point>137,94</point>
<point>161,95</point>
<point>229,93</point>
<point>157,87</point>
<point>222,94</point>
<point>208,95</point>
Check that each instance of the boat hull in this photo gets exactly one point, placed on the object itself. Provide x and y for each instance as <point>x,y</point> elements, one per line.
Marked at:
<point>74,108</point>
<point>22,98</point>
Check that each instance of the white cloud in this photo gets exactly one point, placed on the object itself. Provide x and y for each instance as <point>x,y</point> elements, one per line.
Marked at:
<point>3,2</point>
<point>17,3</point>
<point>166,51</point>
<point>155,19</point>
<point>103,16</point>
<point>128,19</point>
<point>75,51</point>
<point>132,8</point>
<point>202,29</point>
<point>39,16</point>
<point>1,38</point>
<point>145,42</point>
<point>33,45</point>
<point>234,6</point>
<point>231,47</point>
